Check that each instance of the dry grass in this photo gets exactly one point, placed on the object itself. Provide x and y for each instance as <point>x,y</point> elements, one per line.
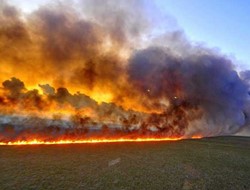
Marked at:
<point>214,163</point>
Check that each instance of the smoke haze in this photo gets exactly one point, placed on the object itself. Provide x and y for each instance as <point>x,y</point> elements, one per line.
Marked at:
<point>95,70</point>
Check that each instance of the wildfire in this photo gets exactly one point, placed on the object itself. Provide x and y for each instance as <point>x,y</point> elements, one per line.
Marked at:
<point>68,77</point>
<point>94,141</point>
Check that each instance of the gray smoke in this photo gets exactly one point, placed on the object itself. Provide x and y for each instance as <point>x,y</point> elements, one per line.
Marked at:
<point>204,79</point>
<point>183,88</point>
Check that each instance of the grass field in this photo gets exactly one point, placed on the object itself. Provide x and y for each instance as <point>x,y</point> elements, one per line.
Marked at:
<point>212,163</point>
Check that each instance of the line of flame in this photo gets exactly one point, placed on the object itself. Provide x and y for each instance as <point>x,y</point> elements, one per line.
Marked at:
<point>88,141</point>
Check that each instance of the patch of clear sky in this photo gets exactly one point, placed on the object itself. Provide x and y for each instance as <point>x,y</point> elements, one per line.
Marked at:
<point>224,24</point>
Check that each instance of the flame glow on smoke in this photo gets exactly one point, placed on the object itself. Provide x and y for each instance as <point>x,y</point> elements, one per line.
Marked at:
<point>86,74</point>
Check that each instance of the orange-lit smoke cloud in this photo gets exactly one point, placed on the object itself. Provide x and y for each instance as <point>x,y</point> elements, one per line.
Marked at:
<point>71,71</point>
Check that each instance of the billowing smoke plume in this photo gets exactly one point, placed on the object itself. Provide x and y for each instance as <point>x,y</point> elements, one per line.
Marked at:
<point>87,71</point>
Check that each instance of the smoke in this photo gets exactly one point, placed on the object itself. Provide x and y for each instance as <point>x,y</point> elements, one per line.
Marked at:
<point>82,71</point>
<point>206,81</point>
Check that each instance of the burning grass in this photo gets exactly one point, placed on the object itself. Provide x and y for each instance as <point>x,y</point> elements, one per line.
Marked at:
<point>209,163</point>
<point>70,69</point>
<point>94,140</point>
<point>38,142</point>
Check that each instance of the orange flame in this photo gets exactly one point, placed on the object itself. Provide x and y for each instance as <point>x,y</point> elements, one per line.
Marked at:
<point>96,140</point>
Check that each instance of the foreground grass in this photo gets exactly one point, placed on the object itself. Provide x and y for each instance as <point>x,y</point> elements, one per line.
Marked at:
<point>212,163</point>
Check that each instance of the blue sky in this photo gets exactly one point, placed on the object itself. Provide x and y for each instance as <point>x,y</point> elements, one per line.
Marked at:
<point>224,24</point>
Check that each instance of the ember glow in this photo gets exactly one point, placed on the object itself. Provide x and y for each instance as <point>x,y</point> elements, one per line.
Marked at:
<point>86,73</point>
